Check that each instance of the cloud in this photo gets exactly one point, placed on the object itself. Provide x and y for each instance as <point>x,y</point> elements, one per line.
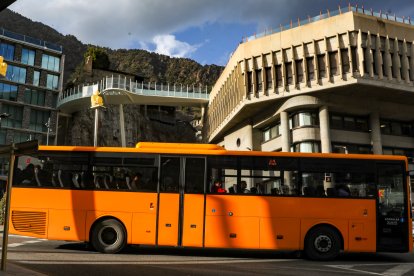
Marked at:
<point>134,24</point>
<point>169,45</point>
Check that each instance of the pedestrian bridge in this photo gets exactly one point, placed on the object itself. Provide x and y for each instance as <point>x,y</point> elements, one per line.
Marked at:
<point>120,90</point>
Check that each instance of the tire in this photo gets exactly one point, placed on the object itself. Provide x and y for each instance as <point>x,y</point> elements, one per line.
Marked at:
<point>322,244</point>
<point>108,236</point>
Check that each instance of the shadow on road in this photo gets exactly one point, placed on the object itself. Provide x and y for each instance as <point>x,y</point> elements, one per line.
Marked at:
<point>248,254</point>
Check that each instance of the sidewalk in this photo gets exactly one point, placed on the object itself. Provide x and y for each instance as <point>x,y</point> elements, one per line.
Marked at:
<point>14,269</point>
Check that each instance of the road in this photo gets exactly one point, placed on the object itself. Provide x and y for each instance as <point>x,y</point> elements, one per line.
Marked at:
<point>68,258</point>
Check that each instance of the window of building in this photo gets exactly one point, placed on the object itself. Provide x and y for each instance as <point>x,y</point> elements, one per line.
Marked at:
<point>348,122</point>
<point>365,61</point>
<point>401,68</point>
<point>407,129</point>
<point>28,56</point>
<point>351,148</point>
<point>3,140</point>
<point>38,119</point>
<point>336,121</point>
<point>354,59</point>
<point>345,60</point>
<point>397,128</point>
<point>299,71</point>
<point>271,132</point>
<point>16,116</point>
<point>36,78</point>
<point>385,127</point>
<point>321,66</point>
<point>408,68</point>
<point>52,81</point>
<point>311,68</point>
<point>374,62</point>
<point>279,75</point>
<point>289,73</point>
<point>361,124</point>
<point>249,82</point>
<point>19,137</point>
<point>259,80</point>
<point>308,146</point>
<point>16,74</point>
<point>54,100</point>
<point>305,119</point>
<point>8,92</point>
<point>394,69</point>
<point>35,97</point>
<point>384,72</point>
<point>7,51</point>
<point>50,62</point>
<point>268,72</point>
<point>398,151</point>
<point>333,63</point>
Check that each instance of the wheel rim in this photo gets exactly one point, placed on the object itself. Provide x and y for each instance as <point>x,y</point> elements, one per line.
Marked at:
<point>108,236</point>
<point>323,243</point>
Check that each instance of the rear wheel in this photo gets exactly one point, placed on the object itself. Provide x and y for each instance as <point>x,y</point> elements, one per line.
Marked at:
<point>322,243</point>
<point>108,236</point>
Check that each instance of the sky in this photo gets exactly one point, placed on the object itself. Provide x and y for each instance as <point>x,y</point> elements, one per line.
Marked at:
<point>207,31</point>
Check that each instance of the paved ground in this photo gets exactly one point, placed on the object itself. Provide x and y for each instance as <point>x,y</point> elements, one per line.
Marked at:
<point>30,256</point>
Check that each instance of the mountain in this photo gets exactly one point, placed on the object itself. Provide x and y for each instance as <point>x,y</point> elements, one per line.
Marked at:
<point>152,66</point>
<point>158,124</point>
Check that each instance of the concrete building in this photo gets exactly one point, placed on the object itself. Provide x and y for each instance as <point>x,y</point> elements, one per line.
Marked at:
<point>30,89</point>
<point>341,82</point>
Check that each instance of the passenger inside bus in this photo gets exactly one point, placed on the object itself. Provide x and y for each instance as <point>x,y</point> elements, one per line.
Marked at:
<point>217,187</point>
<point>343,190</point>
<point>243,187</point>
<point>136,181</point>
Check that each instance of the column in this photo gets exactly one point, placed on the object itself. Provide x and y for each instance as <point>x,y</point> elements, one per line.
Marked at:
<point>122,125</point>
<point>325,131</point>
<point>376,143</point>
<point>284,131</point>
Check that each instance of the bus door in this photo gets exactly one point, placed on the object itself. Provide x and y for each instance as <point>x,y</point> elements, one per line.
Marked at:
<point>392,220</point>
<point>181,201</point>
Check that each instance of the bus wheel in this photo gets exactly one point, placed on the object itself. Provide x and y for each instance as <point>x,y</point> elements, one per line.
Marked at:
<point>108,236</point>
<point>322,243</point>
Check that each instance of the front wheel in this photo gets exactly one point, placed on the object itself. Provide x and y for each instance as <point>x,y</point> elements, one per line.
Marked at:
<point>108,236</point>
<point>322,243</point>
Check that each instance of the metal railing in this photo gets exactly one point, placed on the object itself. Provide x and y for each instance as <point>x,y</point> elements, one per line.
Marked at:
<point>138,88</point>
<point>31,40</point>
<point>294,24</point>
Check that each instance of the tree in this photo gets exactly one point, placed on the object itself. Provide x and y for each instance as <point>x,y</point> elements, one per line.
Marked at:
<point>99,57</point>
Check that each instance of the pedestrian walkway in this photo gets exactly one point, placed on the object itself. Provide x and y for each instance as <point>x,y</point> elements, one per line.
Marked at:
<point>14,269</point>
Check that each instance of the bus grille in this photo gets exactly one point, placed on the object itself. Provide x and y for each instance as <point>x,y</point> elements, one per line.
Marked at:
<point>29,222</point>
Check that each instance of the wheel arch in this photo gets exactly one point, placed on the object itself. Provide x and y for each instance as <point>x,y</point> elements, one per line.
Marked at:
<point>328,225</point>
<point>102,218</point>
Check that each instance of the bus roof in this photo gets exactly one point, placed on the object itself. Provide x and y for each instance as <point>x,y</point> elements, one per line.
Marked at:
<point>210,149</point>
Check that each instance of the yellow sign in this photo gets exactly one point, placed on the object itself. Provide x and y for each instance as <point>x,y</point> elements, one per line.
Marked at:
<point>3,67</point>
<point>96,100</point>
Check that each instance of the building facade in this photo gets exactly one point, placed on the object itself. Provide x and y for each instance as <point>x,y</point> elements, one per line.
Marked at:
<point>342,83</point>
<point>30,89</point>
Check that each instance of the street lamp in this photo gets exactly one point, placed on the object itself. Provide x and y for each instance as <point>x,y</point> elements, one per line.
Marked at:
<point>48,131</point>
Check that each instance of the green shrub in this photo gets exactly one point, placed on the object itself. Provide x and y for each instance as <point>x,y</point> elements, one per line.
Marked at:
<point>2,208</point>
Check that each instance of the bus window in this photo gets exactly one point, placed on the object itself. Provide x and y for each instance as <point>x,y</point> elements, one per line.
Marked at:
<point>338,184</point>
<point>170,174</point>
<point>194,175</point>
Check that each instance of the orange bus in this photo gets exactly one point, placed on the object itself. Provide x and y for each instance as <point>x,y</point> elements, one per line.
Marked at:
<point>194,195</point>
